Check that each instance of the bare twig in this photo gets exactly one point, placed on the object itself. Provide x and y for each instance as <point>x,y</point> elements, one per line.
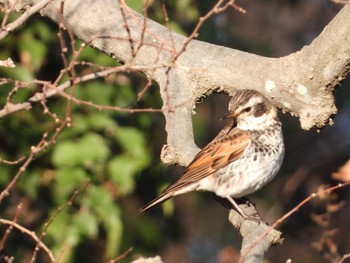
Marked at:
<point>31,234</point>
<point>170,33</point>
<point>52,90</point>
<point>34,151</point>
<point>345,257</point>
<point>294,210</point>
<point>8,231</point>
<point>20,159</point>
<point>120,257</point>
<point>19,21</point>
<point>215,10</point>
<point>7,9</point>
<point>126,26</point>
<point>219,7</point>
<point>54,216</point>
<point>344,2</point>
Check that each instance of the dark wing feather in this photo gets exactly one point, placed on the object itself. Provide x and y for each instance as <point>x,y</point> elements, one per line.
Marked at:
<point>227,147</point>
<point>216,155</point>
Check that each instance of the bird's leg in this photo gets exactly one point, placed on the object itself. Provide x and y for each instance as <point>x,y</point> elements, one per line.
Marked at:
<point>239,210</point>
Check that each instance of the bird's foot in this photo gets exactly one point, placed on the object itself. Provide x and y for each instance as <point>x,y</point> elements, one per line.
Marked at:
<point>252,215</point>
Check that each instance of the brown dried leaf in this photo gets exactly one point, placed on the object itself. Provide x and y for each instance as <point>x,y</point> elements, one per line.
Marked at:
<point>322,220</point>
<point>324,195</point>
<point>331,233</point>
<point>332,208</point>
<point>343,174</point>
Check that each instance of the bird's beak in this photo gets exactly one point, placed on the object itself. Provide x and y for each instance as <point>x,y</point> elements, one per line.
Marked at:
<point>229,115</point>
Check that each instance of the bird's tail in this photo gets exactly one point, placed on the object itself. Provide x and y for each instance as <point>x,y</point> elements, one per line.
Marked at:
<point>163,197</point>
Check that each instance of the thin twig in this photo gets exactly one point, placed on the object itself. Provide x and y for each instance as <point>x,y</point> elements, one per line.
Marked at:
<point>19,21</point>
<point>157,40</point>
<point>8,231</point>
<point>20,159</point>
<point>294,210</point>
<point>31,234</point>
<point>144,25</point>
<point>120,257</point>
<point>54,216</point>
<point>346,256</point>
<point>127,28</point>
<point>166,17</point>
<point>34,151</point>
<point>218,8</point>
<point>7,10</point>
<point>53,90</point>
<point>344,2</point>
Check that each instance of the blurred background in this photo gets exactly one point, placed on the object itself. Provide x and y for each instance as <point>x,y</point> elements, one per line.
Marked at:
<point>113,157</point>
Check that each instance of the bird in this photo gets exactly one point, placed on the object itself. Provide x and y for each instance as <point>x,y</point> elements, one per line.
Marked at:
<point>244,156</point>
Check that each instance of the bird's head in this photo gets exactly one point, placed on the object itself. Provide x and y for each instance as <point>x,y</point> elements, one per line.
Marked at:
<point>251,110</point>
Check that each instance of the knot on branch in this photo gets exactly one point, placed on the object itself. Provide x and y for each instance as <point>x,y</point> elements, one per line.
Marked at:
<point>168,155</point>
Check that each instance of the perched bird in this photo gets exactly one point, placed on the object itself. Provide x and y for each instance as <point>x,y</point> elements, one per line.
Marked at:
<point>243,157</point>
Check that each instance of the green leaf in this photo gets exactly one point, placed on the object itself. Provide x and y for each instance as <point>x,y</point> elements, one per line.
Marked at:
<point>43,31</point>
<point>66,154</point>
<point>137,5</point>
<point>101,121</point>
<point>79,126</point>
<point>33,49</point>
<point>86,223</point>
<point>19,73</point>
<point>114,230</point>
<point>4,175</point>
<point>89,149</point>
<point>30,183</point>
<point>58,226</point>
<point>148,231</point>
<point>101,200</point>
<point>126,95</point>
<point>177,28</point>
<point>95,91</point>
<point>130,138</point>
<point>133,142</point>
<point>68,179</point>
<point>92,148</point>
<point>121,170</point>
<point>95,56</point>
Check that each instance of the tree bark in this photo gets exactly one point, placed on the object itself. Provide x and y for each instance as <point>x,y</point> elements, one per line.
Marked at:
<point>301,83</point>
<point>186,70</point>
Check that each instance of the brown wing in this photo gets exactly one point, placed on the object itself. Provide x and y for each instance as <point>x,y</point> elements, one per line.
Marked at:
<point>227,147</point>
<point>217,154</point>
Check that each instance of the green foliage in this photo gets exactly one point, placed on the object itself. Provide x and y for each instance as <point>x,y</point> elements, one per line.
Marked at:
<point>84,155</point>
<point>148,232</point>
<point>104,207</point>
<point>101,155</point>
<point>137,5</point>
<point>91,54</point>
<point>32,50</point>
<point>86,151</point>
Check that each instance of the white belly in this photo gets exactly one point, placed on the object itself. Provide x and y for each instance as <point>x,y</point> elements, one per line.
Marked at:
<point>245,176</point>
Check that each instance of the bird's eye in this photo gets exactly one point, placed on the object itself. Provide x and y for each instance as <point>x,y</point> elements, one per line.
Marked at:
<point>248,109</point>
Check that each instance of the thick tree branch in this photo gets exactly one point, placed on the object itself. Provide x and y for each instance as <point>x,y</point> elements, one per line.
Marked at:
<point>257,235</point>
<point>301,83</point>
<point>186,70</point>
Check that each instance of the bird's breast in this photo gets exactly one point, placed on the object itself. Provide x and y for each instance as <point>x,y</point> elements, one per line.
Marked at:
<point>258,165</point>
